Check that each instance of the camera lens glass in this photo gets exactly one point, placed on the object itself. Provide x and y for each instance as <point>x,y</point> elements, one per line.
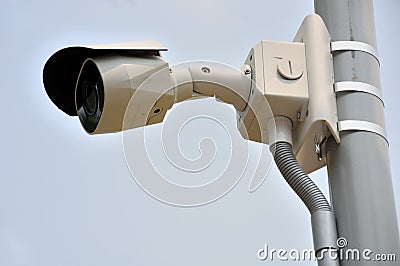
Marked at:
<point>89,96</point>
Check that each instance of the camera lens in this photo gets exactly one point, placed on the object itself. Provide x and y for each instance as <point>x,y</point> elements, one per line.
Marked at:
<point>89,96</point>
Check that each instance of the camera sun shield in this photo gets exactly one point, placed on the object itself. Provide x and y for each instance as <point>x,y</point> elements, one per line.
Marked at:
<point>61,71</point>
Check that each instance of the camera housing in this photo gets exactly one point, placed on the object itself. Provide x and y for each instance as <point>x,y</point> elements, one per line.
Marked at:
<point>97,82</point>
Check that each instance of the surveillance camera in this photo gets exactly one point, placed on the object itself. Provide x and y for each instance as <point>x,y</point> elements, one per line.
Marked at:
<point>116,87</point>
<point>97,82</point>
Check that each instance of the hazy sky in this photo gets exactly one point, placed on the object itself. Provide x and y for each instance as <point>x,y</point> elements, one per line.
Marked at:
<point>67,198</point>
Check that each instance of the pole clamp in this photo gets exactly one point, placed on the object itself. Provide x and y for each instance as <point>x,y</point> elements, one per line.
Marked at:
<point>359,87</point>
<point>358,125</point>
<point>354,46</point>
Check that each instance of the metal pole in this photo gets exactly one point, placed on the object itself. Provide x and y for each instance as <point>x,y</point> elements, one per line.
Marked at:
<point>358,168</point>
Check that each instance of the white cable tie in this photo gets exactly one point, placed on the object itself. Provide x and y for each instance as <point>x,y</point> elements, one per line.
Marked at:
<point>358,125</point>
<point>354,46</point>
<point>359,87</point>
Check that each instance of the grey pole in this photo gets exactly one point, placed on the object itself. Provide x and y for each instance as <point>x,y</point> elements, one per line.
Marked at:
<point>358,168</point>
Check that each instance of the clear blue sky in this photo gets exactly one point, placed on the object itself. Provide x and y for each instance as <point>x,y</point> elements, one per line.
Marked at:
<point>67,198</point>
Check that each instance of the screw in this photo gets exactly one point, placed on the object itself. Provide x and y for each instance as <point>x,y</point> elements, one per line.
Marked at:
<point>318,151</point>
<point>205,70</point>
<point>246,69</point>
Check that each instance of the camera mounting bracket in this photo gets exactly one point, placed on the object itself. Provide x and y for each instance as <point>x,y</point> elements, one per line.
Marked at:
<point>297,80</point>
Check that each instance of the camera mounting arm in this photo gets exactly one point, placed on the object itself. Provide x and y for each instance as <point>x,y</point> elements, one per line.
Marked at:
<point>210,79</point>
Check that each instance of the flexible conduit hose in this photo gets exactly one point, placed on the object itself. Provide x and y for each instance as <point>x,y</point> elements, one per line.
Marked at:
<point>322,218</point>
<point>294,175</point>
